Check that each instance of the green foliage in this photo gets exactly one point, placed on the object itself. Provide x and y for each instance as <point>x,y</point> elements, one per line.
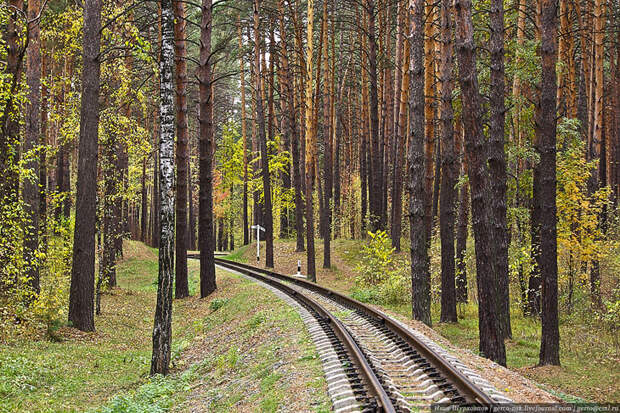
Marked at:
<point>256,320</point>
<point>376,259</point>
<point>379,280</point>
<point>580,237</point>
<point>61,45</point>
<point>366,294</point>
<point>227,361</point>
<point>157,395</point>
<point>21,311</point>
<point>217,304</point>
<point>587,365</point>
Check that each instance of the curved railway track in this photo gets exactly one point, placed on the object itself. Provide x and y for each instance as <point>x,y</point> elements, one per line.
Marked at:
<point>373,362</point>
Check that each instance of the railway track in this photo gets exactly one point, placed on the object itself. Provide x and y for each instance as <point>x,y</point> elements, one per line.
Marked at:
<point>371,361</point>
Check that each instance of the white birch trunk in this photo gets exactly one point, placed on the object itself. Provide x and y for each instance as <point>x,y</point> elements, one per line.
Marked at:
<point>162,329</point>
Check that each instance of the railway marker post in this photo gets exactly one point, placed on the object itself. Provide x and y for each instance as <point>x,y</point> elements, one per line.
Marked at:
<point>258,229</point>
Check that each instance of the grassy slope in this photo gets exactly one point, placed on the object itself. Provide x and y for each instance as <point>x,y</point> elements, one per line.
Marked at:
<point>86,370</point>
<point>589,363</point>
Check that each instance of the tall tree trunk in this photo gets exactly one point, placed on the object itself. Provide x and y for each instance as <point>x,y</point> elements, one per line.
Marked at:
<point>398,80</point>
<point>192,214</point>
<point>268,211</point>
<point>534,282</point>
<point>616,142</point>
<point>429,114</point>
<point>365,167</point>
<point>309,139</point>
<point>257,217</point>
<point>246,225</point>
<point>420,265</point>
<point>290,128</point>
<point>117,206</point>
<point>363,184</point>
<point>143,204</point>
<point>232,234</point>
<point>43,158</point>
<point>155,205</point>
<point>462,227</point>
<point>285,213</point>
<point>399,160</point>
<point>437,177</point>
<point>122,228</point>
<point>598,127</point>
<point>162,329</point>
<point>30,189</point>
<point>376,160</point>
<point>491,340</point>
<point>337,185</point>
<point>546,146</point>
<point>9,123</point>
<point>81,304</point>
<point>110,217</point>
<point>181,288</point>
<point>387,115</point>
<point>220,234</point>
<point>206,149</point>
<point>327,155</point>
<point>339,121</point>
<point>535,279</point>
<point>315,125</point>
<point>497,163</point>
<point>448,169</point>
<point>563,53</point>
<point>269,79</point>
<point>62,163</point>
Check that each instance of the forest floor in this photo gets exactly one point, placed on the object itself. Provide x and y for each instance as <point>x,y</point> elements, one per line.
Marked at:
<point>589,370</point>
<point>240,350</point>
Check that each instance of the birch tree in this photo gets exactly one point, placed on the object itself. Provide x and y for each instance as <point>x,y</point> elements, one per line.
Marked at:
<point>162,329</point>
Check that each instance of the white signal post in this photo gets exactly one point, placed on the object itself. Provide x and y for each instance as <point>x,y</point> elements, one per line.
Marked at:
<point>258,229</point>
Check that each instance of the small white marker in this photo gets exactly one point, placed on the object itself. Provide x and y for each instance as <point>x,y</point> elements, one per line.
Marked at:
<point>299,268</point>
<point>258,230</point>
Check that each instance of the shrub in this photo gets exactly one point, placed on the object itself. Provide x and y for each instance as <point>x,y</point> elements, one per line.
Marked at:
<point>379,280</point>
<point>376,259</point>
<point>396,288</point>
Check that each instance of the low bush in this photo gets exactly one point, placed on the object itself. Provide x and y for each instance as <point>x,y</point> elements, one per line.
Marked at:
<point>380,281</point>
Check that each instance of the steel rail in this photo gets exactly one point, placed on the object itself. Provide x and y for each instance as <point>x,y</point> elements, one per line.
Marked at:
<point>376,390</point>
<point>463,384</point>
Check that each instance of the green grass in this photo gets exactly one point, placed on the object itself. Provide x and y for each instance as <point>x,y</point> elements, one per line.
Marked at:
<point>589,368</point>
<point>84,369</point>
<point>237,255</point>
<point>108,370</point>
